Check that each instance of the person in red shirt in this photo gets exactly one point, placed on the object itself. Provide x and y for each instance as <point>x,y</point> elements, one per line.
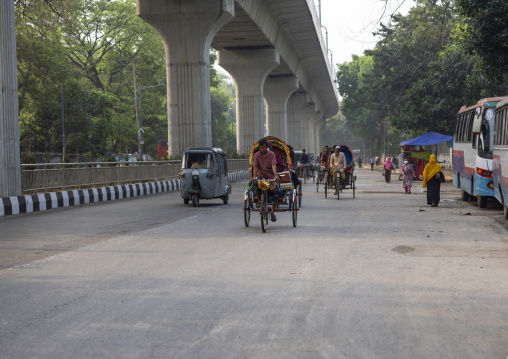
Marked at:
<point>325,157</point>
<point>265,166</point>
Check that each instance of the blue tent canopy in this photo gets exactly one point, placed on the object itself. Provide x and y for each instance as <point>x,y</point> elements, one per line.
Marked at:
<point>431,138</point>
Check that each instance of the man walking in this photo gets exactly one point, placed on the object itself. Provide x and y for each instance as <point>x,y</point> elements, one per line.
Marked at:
<point>372,160</point>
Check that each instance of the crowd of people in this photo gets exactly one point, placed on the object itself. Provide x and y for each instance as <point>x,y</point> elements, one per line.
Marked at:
<point>267,164</point>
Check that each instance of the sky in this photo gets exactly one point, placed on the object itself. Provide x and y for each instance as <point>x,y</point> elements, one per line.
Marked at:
<point>350,24</point>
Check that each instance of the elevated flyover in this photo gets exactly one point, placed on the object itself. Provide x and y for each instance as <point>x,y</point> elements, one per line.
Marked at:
<point>273,49</point>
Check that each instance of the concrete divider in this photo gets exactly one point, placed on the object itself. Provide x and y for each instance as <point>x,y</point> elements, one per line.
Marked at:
<point>50,200</point>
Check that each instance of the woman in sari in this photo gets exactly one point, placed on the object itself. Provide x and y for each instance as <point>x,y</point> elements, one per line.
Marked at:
<point>388,169</point>
<point>407,176</point>
<point>432,181</point>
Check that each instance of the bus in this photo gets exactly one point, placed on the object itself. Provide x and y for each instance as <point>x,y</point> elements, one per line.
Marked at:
<point>500,155</point>
<point>472,151</point>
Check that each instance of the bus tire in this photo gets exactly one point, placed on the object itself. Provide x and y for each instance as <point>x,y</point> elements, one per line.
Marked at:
<point>482,201</point>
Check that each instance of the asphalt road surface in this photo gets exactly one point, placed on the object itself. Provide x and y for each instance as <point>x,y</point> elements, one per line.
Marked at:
<point>379,276</point>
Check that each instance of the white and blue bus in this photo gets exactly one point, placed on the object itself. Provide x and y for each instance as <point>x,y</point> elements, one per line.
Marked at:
<point>500,155</point>
<point>472,151</point>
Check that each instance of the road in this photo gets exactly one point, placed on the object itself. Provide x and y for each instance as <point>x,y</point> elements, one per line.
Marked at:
<point>379,276</point>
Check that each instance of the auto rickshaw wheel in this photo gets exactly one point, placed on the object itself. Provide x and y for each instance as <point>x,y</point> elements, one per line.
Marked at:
<point>195,200</point>
<point>186,200</point>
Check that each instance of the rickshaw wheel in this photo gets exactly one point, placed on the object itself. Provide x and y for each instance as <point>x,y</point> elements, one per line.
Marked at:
<point>263,211</point>
<point>354,186</point>
<point>338,190</point>
<point>186,200</point>
<point>246,212</point>
<point>294,212</point>
<point>326,187</point>
<point>195,200</point>
<point>299,195</point>
<point>225,199</point>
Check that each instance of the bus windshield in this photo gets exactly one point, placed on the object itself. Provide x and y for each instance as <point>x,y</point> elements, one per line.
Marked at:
<point>486,137</point>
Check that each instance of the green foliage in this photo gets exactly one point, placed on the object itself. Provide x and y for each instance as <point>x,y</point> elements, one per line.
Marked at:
<point>88,49</point>
<point>485,34</point>
<point>418,75</point>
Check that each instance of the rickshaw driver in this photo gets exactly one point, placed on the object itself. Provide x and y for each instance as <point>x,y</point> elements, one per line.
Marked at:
<point>338,163</point>
<point>265,166</point>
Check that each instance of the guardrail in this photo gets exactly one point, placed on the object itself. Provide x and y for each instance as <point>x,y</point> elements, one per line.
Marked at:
<point>44,177</point>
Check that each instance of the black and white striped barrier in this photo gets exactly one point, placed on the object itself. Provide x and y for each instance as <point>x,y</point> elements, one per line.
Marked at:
<point>50,200</point>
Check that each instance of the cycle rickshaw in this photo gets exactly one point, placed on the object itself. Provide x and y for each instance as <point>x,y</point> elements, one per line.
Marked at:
<point>345,183</point>
<point>256,195</point>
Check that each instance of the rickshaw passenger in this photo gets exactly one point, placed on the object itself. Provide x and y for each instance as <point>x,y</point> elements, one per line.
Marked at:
<point>281,166</point>
<point>338,164</point>
<point>265,166</point>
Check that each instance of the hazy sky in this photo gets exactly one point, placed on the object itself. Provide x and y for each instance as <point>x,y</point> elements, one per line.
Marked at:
<point>350,24</point>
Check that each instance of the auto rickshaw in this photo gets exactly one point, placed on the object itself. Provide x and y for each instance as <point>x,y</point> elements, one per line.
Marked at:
<point>204,175</point>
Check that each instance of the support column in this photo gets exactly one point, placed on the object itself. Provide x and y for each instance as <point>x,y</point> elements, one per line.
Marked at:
<point>10,169</point>
<point>314,120</point>
<point>296,103</point>
<point>187,29</point>
<point>307,113</point>
<point>249,69</point>
<point>277,92</point>
<point>321,125</point>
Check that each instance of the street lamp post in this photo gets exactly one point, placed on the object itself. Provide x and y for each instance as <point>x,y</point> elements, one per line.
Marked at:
<point>326,35</point>
<point>140,126</point>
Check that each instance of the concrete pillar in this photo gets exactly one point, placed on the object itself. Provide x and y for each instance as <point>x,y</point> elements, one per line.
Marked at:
<point>320,127</point>
<point>277,92</point>
<point>306,114</point>
<point>314,120</point>
<point>296,103</point>
<point>10,169</point>
<point>187,29</point>
<point>249,69</point>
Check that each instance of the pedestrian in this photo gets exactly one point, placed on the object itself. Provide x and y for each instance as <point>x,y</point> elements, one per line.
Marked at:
<point>377,160</point>
<point>359,162</point>
<point>432,178</point>
<point>388,168</point>
<point>407,176</point>
<point>395,162</point>
<point>372,160</point>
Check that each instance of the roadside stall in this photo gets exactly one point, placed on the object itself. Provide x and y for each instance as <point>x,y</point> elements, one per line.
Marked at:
<point>418,150</point>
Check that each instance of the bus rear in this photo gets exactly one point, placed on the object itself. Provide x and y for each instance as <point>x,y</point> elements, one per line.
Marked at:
<point>473,151</point>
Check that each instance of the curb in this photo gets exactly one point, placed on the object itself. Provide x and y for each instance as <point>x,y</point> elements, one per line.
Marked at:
<point>50,200</point>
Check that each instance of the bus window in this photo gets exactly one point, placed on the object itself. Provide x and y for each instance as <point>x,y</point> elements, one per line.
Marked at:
<point>469,128</point>
<point>485,138</point>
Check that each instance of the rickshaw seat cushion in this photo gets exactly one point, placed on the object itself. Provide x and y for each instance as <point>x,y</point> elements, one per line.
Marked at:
<point>286,186</point>
<point>285,177</point>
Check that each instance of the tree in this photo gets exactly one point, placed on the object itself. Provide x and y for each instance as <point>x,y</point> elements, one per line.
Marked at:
<point>485,32</point>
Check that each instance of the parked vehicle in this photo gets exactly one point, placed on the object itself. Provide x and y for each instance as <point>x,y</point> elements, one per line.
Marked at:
<point>500,155</point>
<point>472,151</point>
<point>204,175</point>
